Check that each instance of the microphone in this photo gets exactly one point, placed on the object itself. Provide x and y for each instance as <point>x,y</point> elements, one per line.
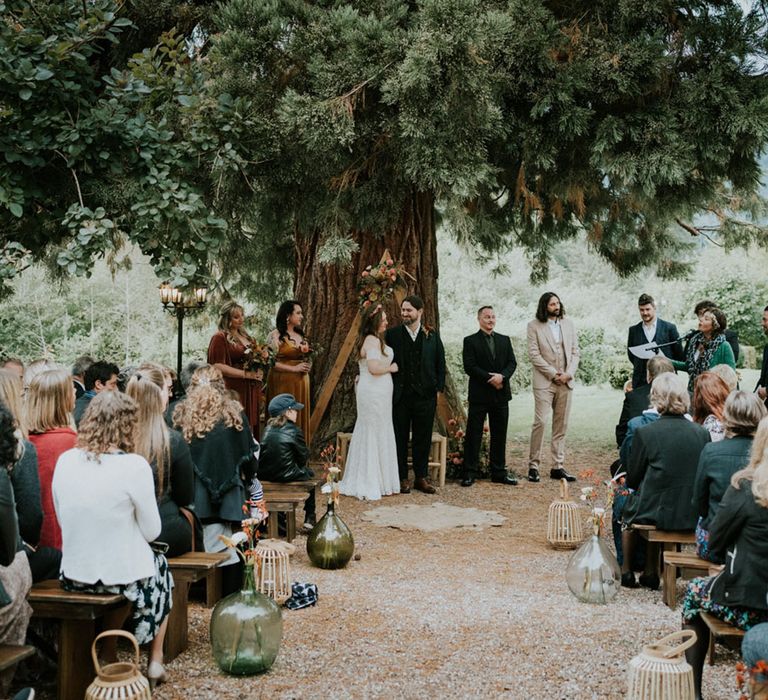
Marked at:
<point>689,334</point>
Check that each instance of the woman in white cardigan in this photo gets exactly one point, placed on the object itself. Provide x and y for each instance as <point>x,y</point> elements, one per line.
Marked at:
<point>105,503</point>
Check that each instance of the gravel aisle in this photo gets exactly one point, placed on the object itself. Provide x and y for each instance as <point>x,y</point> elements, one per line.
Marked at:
<point>452,614</point>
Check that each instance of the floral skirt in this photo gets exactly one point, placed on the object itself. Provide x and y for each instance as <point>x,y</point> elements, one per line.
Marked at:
<point>697,601</point>
<point>16,579</point>
<point>150,598</point>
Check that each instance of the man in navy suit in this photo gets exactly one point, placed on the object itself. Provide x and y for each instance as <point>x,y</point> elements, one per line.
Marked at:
<point>651,329</point>
<point>490,362</point>
<point>762,384</point>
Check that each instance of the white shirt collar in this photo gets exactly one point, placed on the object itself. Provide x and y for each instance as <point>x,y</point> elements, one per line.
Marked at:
<point>413,334</point>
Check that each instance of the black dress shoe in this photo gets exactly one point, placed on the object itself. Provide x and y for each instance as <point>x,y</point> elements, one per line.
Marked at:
<point>649,581</point>
<point>468,481</point>
<point>504,479</point>
<point>628,580</point>
<point>561,474</point>
<point>533,475</point>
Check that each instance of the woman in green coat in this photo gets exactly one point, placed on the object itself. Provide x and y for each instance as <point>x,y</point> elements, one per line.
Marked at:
<point>708,346</point>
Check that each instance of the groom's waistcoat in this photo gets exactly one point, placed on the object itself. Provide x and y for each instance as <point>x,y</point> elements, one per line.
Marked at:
<point>412,385</point>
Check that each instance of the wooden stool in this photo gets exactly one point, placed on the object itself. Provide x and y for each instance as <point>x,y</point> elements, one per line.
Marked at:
<point>719,630</point>
<point>681,560</point>
<point>283,501</point>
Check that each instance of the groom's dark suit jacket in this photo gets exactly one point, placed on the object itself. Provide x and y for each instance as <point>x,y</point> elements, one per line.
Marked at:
<point>432,361</point>
<point>479,364</point>
<point>666,332</point>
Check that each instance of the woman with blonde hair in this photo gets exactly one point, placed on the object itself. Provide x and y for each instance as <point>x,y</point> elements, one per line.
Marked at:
<point>48,416</point>
<point>105,500</point>
<point>168,455</point>
<point>720,460</point>
<point>660,473</point>
<point>224,454</point>
<point>738,534</point>
<point>228,351</point>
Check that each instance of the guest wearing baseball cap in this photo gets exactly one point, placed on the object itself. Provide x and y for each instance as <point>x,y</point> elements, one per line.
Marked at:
<point>284,452</point>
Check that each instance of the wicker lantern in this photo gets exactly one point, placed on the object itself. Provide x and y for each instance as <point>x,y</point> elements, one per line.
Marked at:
<point>273,569</point>
<point>121,680</point>
<point>564,526</point>
<point>660,671</point>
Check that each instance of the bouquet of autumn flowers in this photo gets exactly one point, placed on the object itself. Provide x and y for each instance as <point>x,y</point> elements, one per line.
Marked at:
<point>377,282</point>
<point>259,356</point>
<point>244,541</point>
<point>752,683</point>
<point>308,349</point>
<point>599,497</point>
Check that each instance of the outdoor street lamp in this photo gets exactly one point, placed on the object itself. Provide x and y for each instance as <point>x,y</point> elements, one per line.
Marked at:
<point>174,303</point>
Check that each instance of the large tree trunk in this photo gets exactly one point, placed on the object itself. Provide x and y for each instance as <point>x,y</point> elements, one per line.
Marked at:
<point>329,297</point>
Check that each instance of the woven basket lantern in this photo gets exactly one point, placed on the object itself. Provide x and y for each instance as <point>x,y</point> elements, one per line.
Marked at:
<point>273,569</point>
<point>660,671</point>
<point>121,680</point>
<point>564,526</point>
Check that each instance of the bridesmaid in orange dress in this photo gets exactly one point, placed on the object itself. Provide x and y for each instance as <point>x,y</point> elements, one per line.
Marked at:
<point>226,352</point>
<point>290,375</point>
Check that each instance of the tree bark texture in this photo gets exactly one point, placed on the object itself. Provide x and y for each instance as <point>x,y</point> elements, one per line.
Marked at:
<point>328,294</point>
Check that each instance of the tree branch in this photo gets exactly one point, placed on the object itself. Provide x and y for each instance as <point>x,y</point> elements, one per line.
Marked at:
<point>74,175</point>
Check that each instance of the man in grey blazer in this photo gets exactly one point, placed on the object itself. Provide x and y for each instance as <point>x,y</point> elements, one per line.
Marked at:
<point>553,348</point>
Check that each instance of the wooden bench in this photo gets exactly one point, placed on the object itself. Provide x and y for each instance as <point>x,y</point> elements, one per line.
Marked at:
<point>438,455</point>
<point>682,560</point>
<point>186,570</point>
<point>670,540</point>
<point>10,655</point>
<point>77,614</point>
<point>719,630</point>
<point>286,498</point>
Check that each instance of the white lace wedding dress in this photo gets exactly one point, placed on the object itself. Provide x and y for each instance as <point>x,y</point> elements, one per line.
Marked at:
<point>371,471</point>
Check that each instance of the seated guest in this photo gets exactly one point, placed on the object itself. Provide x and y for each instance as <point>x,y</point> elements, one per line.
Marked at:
<point>32,370</point>
<point>284,453</point>
<point>14,365</point>
<point>720,460</point>
<point>49,403</point>
<point>44,561</point>
<point>105,501</point>
<point>660,474</point>
<point>709,395</point>
<point>224,454</point>
<point>81,364</point>
<point>15,576</point>
<point>168,455</point>
<point>738,534</point>
<point>638,400</point>
<point>728,375</point>
<point>100,376</point>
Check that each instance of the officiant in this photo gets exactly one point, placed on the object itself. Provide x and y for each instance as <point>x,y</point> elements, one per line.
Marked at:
<point>651,329</point>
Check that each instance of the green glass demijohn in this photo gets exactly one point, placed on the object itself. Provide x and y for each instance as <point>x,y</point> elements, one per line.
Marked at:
<point>330,545</point>
<point>246,630</point>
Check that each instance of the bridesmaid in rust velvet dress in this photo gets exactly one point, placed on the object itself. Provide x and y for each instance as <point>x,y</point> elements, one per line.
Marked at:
<point>227,352</point>
<point>290,375</point>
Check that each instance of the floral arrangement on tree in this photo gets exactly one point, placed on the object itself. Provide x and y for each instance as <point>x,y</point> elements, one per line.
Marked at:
<point>377,282</point>
<point>331,471</point>
<point>598,496</point>
<point>752,682</point>
<point>456,437</point>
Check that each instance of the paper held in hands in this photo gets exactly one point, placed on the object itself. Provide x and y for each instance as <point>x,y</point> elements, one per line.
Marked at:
<point>648,350</point>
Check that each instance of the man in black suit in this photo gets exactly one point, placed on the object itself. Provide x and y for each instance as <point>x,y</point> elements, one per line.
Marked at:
<point>420,359</point>
<point>489,360</point>
<point>651,329</point>
<point>762,384</point>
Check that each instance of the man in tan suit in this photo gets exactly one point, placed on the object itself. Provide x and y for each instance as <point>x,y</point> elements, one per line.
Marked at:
<point>553,348</point>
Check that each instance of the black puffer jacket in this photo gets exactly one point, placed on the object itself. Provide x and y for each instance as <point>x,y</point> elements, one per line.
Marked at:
<point>284,454</point>
<point>738,535</point>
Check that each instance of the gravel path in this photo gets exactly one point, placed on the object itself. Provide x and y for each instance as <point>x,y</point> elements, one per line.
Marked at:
<point>451,614</point>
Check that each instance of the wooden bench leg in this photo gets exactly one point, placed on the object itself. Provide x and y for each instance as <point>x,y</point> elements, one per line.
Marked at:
<point>272,525</point>
<point>290,526</point>
<point>711,648</point>
<point>213,587</point>
<point>75,671</point>
<point>669,593</point>
<point>176,639</point>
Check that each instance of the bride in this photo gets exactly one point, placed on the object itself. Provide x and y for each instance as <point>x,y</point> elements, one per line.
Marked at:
<point>371,467</point>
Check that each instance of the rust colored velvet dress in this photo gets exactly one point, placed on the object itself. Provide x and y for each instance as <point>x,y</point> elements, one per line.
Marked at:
<point>291,383</point>
<point>225,352</point>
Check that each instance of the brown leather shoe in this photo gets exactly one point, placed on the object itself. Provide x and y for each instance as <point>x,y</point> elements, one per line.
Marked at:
<point>405,486</point>
<point>422,484</point>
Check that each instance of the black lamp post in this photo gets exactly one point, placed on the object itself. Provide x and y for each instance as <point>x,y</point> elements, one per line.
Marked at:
<point>174,303</point>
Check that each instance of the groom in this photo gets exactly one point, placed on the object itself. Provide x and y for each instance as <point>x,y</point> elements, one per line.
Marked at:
<point>420,358</point>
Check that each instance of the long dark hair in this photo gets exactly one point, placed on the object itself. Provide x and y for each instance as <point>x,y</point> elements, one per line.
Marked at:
<point>281,321</point>
<point>541,309</point>
<point>9,440</point>
<point>370,326</point>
